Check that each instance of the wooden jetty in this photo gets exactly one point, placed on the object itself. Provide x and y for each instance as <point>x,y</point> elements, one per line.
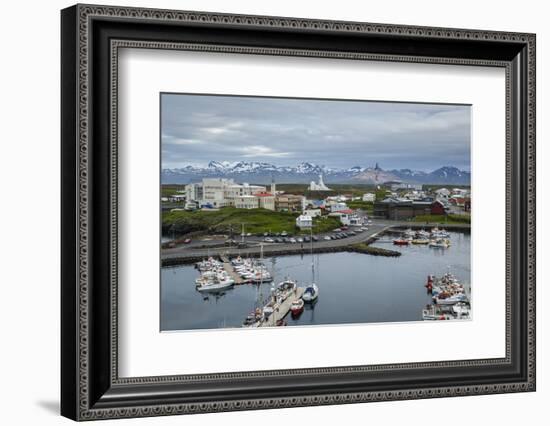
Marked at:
<point>231,271</point>
<point>283,309</point>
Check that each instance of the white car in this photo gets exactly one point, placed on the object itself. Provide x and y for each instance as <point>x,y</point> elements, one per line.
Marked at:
<point>292,240</point>
<point>300,240</point>
<point>268,240</point>
<point>326,237</point>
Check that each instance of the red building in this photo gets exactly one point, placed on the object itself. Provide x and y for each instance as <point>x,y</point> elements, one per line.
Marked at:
<point>438,208</point>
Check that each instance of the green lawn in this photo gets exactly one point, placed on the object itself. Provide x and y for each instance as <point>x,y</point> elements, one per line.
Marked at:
<point>363,205</point>
<point>230,219</point>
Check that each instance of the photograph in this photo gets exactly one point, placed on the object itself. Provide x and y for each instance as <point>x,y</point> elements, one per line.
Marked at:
<point>307,212</point>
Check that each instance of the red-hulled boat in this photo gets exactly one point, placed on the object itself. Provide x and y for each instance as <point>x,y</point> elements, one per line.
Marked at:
<point>297,307</point>
<point>401,242</point>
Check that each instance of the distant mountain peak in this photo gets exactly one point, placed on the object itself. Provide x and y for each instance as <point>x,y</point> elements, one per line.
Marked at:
<point>304,172</point>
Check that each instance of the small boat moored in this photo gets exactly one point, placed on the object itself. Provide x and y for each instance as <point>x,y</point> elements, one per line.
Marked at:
<point>297,307</point>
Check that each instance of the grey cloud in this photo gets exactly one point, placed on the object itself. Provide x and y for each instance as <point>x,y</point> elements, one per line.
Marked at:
<point>197,129</point>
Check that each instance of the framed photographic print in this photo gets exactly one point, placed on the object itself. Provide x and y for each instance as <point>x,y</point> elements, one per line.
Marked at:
<point>263,212</point>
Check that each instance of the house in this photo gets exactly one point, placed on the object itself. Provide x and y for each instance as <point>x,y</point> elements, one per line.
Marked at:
<point>456,200</point>
<point>288,203</point>
<point>347,217</point>
<point>338,206</point>
<point>369,197</point>
<point>442,193</point>
<point>266,200</point>
<point>313,212</point>
<point>438,208</point>
<point>304,221</point>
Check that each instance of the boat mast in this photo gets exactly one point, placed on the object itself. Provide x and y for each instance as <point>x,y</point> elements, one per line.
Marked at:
<point>312,258</point>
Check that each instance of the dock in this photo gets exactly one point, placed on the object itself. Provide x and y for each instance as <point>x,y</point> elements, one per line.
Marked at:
<point>228,267</point>
<point>283,309</point>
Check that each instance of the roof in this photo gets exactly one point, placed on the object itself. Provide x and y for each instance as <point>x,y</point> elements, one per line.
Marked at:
<point>263,194</point>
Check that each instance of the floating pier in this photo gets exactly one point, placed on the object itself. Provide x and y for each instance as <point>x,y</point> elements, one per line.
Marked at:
<point>283,309</point>
<point>228,267</point>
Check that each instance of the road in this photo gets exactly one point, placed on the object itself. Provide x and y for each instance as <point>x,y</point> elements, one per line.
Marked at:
<point>183,252</point>
<point>197,250</point>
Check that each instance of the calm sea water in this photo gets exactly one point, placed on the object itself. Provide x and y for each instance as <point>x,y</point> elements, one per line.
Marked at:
<point>353,287</point>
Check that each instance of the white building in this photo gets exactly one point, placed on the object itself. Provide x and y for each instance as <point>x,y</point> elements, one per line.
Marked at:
<point>219,192</point>
<point>246,202</point>
<point>336,207</point>
<point>266,200</point>
<point>313,212</point>
<point>442,193</point>
<point>318,186</point>
<point>304,221</point>
<point>347,218</point>
<point>369,197</point>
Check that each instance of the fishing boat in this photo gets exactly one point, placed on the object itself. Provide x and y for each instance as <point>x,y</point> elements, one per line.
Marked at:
<point>462,310</point>
<point>401,242</point>
<point>434,313</point>
<point>297,307</point>
<point>216,285</point>
<point>450,300</point>
<point>439,233</point>
<point>440,243</point>
<point>409,233</point>
<point>420,241</point>
<point>422,234</point>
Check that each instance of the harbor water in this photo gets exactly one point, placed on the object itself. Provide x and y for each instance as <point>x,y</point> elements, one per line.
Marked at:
<point>353,287</point>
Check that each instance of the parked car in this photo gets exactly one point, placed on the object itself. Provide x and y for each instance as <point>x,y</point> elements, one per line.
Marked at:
<point>300,240</point>
<point>292,240</point>
<point>279,240</point>
<point>344,228</point>
<point>327,237</point>
<point>268,240</point>
<point>306,240</point>
<point>187,241</point>
<point>283,234</point>
<point>336,230</point>
<point>315,238</point>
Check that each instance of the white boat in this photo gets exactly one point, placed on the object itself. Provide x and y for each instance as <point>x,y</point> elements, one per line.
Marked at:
<point>311,293</point>
<point>216,285</point>
<point>462,310</point>
<point>433,313</point>
<point>440,243</point>
<point>451,300</point>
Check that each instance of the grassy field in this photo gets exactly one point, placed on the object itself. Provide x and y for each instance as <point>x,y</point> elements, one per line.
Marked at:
<point>229,220</point>
<point>363,205</point>
<point>453,219</point>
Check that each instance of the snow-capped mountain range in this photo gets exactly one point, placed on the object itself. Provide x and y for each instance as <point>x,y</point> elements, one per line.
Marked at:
<point>305,172</point>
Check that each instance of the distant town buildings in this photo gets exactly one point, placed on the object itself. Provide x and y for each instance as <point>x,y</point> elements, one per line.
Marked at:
<point>320,186</point>
<point>395,186</point>
<point>369,197</point>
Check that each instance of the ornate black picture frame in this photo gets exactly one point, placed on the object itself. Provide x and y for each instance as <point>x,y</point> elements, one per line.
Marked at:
<point>91,37</point>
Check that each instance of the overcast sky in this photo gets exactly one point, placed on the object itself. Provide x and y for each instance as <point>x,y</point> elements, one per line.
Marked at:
<point>196,129</point>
